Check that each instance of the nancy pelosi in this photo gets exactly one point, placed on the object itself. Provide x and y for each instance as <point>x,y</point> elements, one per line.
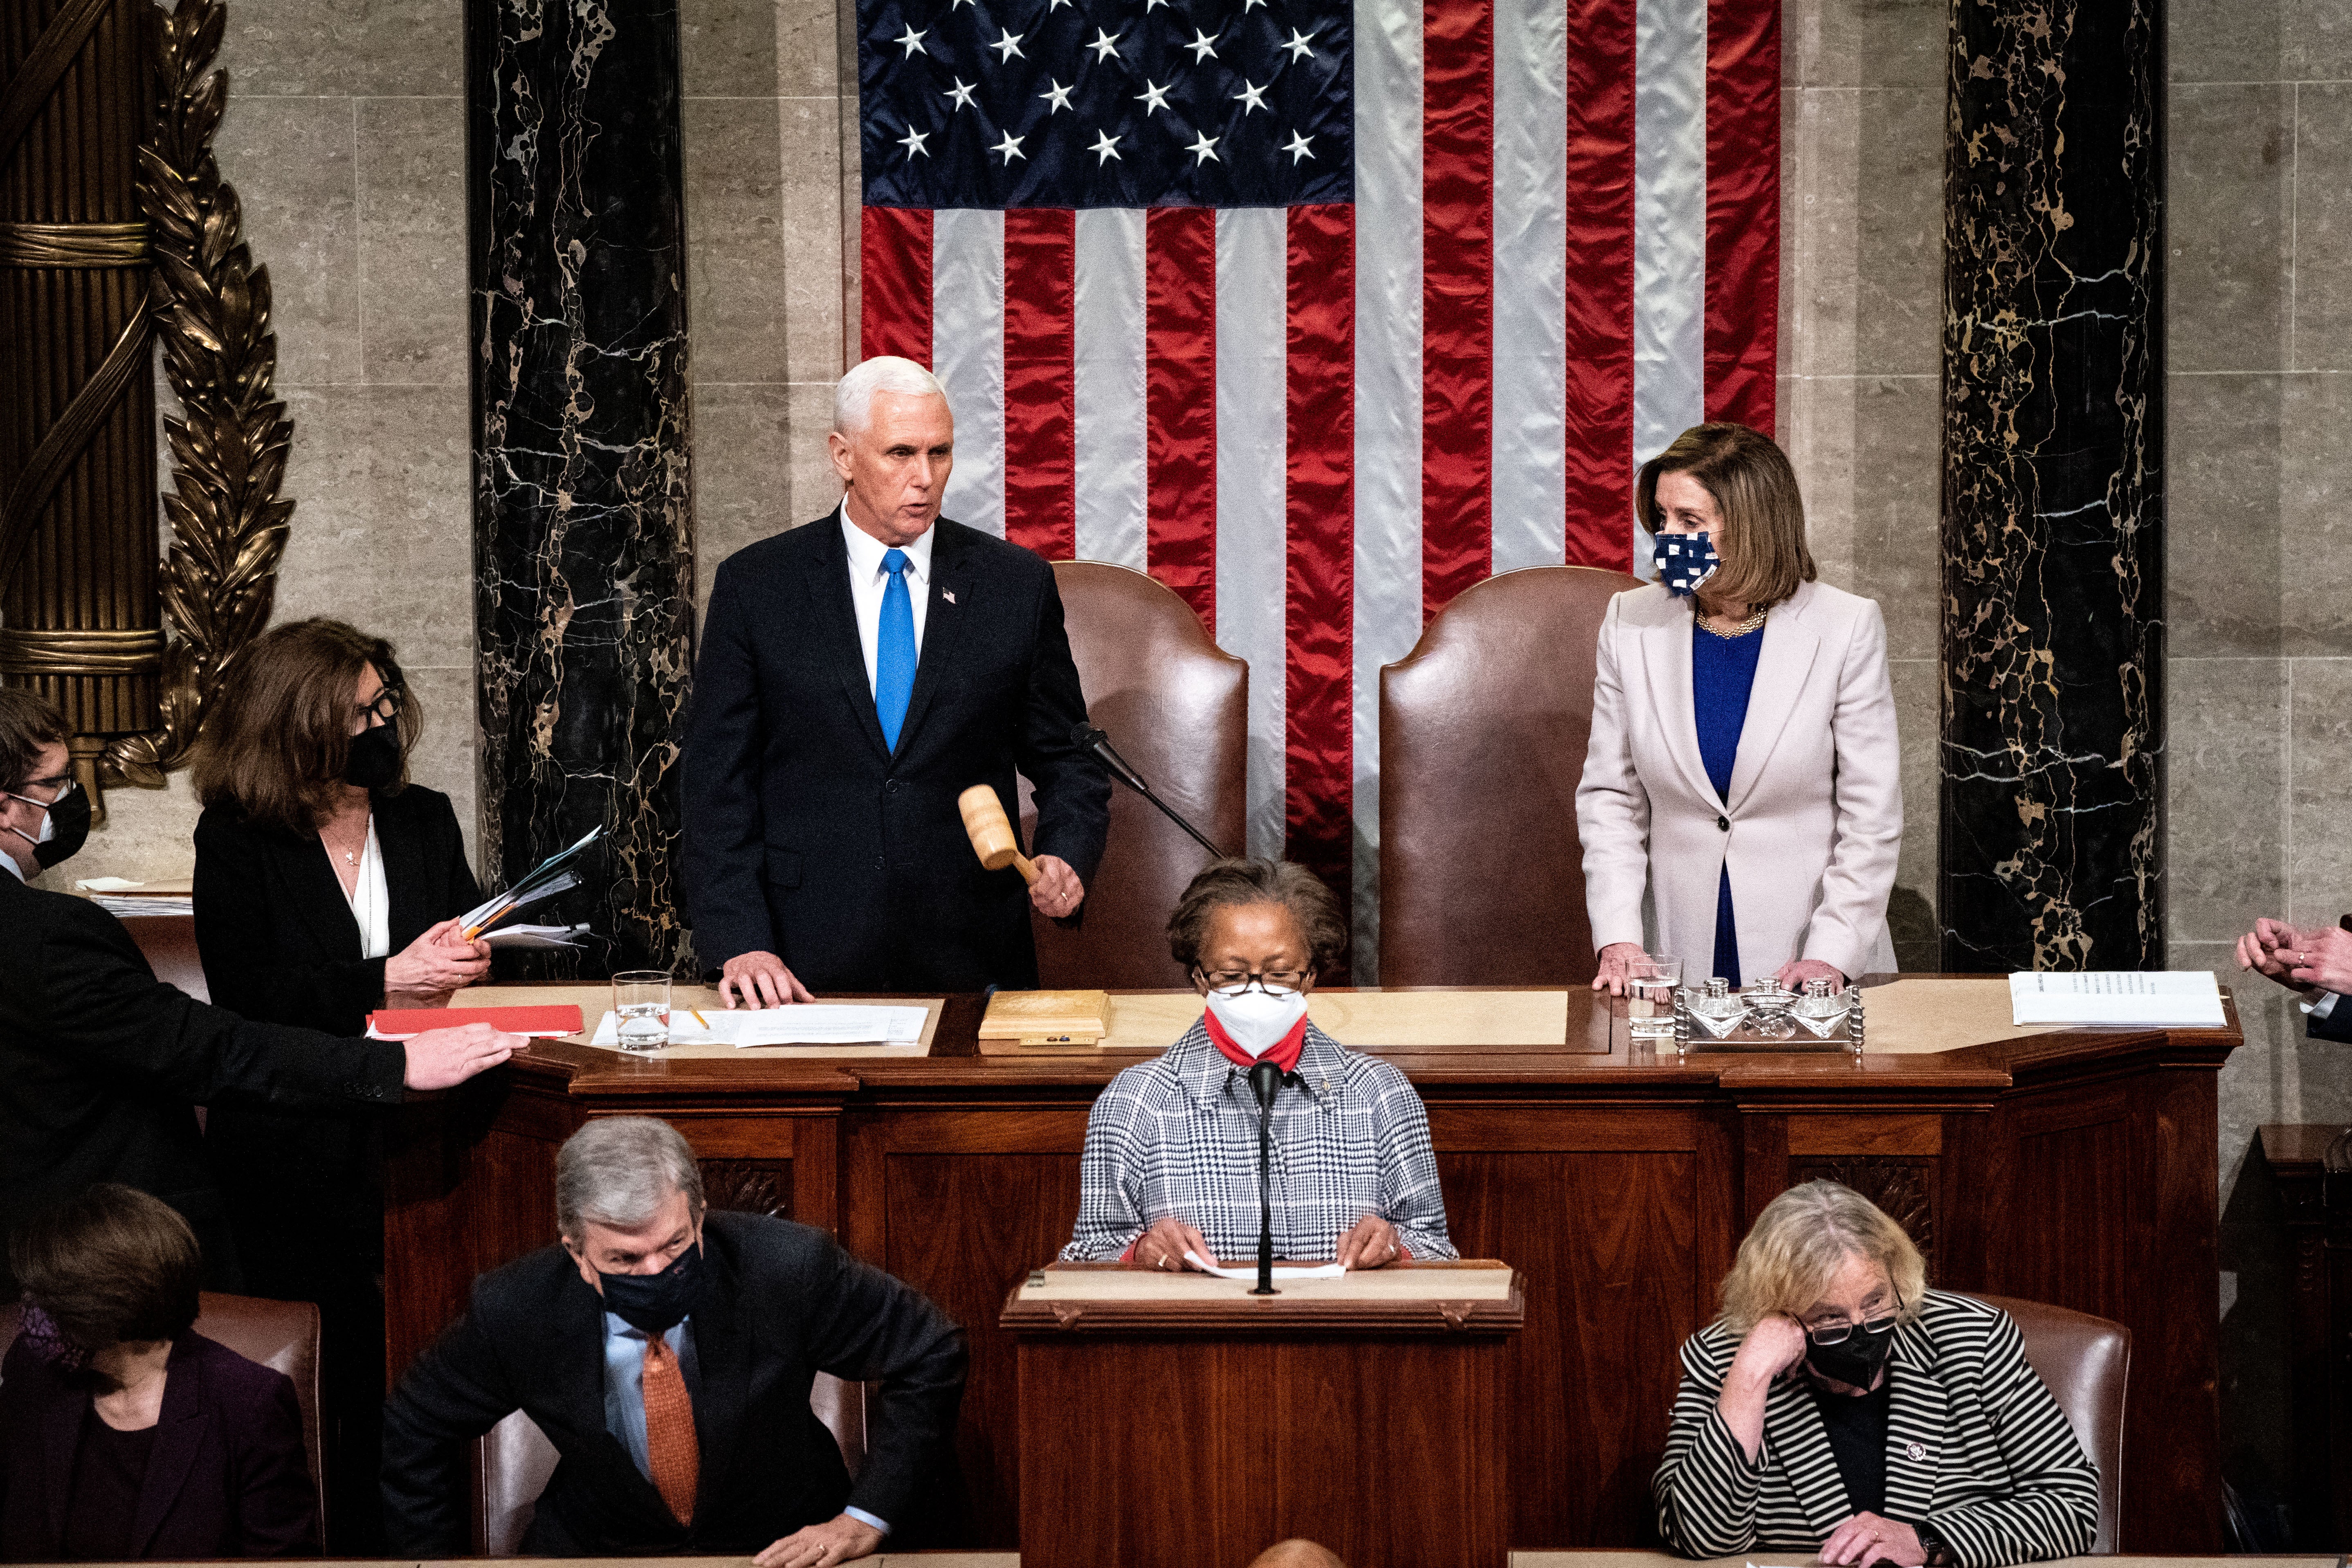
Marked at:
<point>1743,767</point>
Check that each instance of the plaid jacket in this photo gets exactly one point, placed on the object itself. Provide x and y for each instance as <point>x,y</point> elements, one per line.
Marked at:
<point>1178,1136</point>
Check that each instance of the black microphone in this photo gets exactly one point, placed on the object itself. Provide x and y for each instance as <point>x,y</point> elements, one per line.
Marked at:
<point>1088,738</point>
<point>1263,1078</point>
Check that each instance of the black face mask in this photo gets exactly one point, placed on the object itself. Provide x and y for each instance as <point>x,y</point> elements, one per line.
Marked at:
<point>1857,1362</point>
<point>374,758</point>
<point>655,1303</point>
<point>67,831</point>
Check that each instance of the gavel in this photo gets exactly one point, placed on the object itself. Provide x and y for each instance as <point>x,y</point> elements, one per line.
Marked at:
<point>991,833</point>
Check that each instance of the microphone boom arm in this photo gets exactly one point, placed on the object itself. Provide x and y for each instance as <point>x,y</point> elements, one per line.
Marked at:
<point>1098,742</point>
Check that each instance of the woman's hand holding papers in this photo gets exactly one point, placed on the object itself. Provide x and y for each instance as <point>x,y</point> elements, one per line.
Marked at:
<point>1370,1243</point>
<point>439,961</point>
<point>443,1058</point>
<point>762,980</point>
<point>1164,1245</point>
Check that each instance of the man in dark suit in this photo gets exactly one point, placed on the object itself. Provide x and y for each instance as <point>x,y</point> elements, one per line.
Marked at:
<point>856,676</point>
<point>668,1357</point>
<point>102,1065</point>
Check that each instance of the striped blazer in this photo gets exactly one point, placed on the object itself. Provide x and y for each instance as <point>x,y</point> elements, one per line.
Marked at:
<point>1975,1446</point>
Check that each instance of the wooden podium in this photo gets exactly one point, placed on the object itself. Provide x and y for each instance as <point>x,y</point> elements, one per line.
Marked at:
<point>1177,1418</point>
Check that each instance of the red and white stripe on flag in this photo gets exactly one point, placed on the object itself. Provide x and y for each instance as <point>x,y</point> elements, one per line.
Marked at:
<point>1319,424</point>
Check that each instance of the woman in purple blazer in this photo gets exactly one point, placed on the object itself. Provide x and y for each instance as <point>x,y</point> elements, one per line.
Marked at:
<point>123,1433</point>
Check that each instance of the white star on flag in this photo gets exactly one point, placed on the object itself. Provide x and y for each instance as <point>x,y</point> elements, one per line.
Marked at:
<point>913,142</point>
<point>1011,148</point>
<point>1203,149</point>
<point>1203,46</point>
<point>1057,95</point>
<point>913,41</point>
<point>1296,147</point>
<point>1151,98</point>
<point>1104,148</point>
<point>1296,44</point>
<point>1106,45</point>
<point>1250,97</point>
<point>961,93</point>
<point>1007,46</point>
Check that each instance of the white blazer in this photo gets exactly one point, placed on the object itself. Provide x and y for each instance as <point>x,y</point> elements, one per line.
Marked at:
<point>1814,816</point>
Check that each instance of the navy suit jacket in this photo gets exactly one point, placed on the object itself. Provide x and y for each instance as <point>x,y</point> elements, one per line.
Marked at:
<point>2337,1025</point>
<point>225,1479</point>
<point>808,838</point>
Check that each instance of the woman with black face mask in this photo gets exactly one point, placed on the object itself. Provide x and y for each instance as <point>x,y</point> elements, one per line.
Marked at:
<point>327,885</point>
<point>1839,1407</point>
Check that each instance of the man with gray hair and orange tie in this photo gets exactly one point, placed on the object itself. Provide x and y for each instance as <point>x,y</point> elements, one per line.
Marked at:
<point>856,677</point>
<point>668,1354</point>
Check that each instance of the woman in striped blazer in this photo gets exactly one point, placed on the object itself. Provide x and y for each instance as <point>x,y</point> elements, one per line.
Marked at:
<point>1838,1404</point>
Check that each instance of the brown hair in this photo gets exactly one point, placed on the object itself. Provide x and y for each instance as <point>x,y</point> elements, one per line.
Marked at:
<point>110,1265</point>
<point>29,721</point>
<point>1223,883</point>
<point>1763,543</point>
<point>278,734</point>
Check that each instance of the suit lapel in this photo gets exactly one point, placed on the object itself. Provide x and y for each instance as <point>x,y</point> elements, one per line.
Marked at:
<point>1792,1427</point>
<point>404,875</point>
<point>579,1382</point>
<point>1914,1425</point>
<point>179,1434</point>
<point>722,1355</point>
<point>832,617</point>
<point>315,865</point>
<point>1667,663</point>
<point>1781,668</point>
<point>948,612</point>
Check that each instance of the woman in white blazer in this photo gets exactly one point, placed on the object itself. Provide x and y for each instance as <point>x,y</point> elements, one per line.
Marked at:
<point>1741,805</point>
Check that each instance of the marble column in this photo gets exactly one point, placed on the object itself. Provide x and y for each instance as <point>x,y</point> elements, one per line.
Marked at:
<point>2053,500</point>
<point>583,552</point>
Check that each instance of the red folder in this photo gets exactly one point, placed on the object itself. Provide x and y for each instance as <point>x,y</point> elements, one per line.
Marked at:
<point>406,1023</point>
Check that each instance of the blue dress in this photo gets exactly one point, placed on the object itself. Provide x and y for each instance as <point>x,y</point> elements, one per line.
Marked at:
<point>1723,672</point>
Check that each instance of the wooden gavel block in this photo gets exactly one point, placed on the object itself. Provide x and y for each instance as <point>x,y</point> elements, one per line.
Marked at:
<point>991,833</point>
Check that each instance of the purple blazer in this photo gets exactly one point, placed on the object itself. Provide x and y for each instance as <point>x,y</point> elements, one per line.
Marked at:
<point>228,1476</point>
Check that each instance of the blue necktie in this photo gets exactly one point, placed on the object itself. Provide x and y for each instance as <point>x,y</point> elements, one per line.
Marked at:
<point>894,650</point>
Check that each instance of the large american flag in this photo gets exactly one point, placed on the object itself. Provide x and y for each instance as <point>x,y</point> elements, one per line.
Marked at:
<point>1321,312</point>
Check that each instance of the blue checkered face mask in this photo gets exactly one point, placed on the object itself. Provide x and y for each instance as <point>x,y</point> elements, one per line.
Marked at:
<point>1684,560</point>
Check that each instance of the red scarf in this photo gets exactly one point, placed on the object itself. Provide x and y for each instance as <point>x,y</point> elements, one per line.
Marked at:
<point>1284,1054</point>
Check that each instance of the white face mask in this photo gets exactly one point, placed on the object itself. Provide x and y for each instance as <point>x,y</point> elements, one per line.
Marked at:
<point>1256,1021</point>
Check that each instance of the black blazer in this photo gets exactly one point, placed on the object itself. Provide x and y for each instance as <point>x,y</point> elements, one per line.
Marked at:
<point>228,1476</point>
<point>279,945</point>
<point>276,936</point>
<point>2337,1025</point>
<point>101,1066</point>
<point>806,838</point>
<point>782,1303</point>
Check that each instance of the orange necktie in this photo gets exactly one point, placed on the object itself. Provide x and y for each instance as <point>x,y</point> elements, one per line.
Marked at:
<point>671,1452</point>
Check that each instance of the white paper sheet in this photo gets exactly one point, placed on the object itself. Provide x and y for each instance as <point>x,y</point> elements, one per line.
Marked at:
<point>2186,998</point>
<point>806,1023</point>
<point>1323,1271</point>
<point>536,936</point>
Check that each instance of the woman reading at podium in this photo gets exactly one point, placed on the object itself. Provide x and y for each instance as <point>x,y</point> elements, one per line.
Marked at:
<point>1170,1173</point>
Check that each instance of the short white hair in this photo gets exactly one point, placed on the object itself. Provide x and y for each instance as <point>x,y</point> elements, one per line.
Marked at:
<point>618,1170</point>
<point>852,395</point>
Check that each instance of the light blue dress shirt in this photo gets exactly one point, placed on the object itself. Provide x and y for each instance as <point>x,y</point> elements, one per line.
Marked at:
<point>624,1389</point>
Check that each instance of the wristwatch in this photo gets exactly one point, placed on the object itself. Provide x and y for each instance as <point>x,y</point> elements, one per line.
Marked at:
<point>1938,1553</point>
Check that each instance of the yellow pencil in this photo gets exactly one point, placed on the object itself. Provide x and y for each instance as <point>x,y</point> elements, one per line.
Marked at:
<point>700,1019</point>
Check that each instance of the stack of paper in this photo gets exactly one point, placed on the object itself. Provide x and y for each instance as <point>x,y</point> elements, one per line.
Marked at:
<point>124,899</point>
<point>1301,1271</point>
<point>2178,998</point>
<point>807,1023</point>
<point>559,873</point>
<point>536,936</point>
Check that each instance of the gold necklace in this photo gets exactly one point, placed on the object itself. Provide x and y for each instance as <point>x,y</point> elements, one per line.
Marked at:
<point>1741,630</point>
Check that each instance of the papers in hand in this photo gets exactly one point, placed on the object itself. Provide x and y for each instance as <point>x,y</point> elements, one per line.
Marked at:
<point>536,936</point>
<point>2185,998</point>
<point>1320,1271</point>
<point>556,874</point>
<point>805,1023</point>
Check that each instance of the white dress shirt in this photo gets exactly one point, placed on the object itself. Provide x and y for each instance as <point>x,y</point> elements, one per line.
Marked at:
<point>371,903</point>
<point>869,582</point>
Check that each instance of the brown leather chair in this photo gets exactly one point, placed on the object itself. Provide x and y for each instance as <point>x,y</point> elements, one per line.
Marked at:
<point>169,942</point>
<point>2087,1361</point>
<point>280,1335</point>
<point>1176,706</point>
<point>1483,730</point>
<point>513,1462</point>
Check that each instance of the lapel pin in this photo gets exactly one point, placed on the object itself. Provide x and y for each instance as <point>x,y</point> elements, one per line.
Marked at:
<point>1918,1451</point>
<point>950,597</point>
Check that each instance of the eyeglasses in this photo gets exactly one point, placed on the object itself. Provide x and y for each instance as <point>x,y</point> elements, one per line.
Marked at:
<point>63,783</point>
<point>386,706</point>
<point>1838,1333</point>
<point>1272,982</point>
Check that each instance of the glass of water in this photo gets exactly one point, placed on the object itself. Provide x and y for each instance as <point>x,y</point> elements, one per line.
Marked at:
<point>641,1008</point>
<point>1652,980</point>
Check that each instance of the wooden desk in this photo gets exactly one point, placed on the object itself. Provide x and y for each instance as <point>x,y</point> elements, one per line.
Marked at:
<point>2052,1168</point>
